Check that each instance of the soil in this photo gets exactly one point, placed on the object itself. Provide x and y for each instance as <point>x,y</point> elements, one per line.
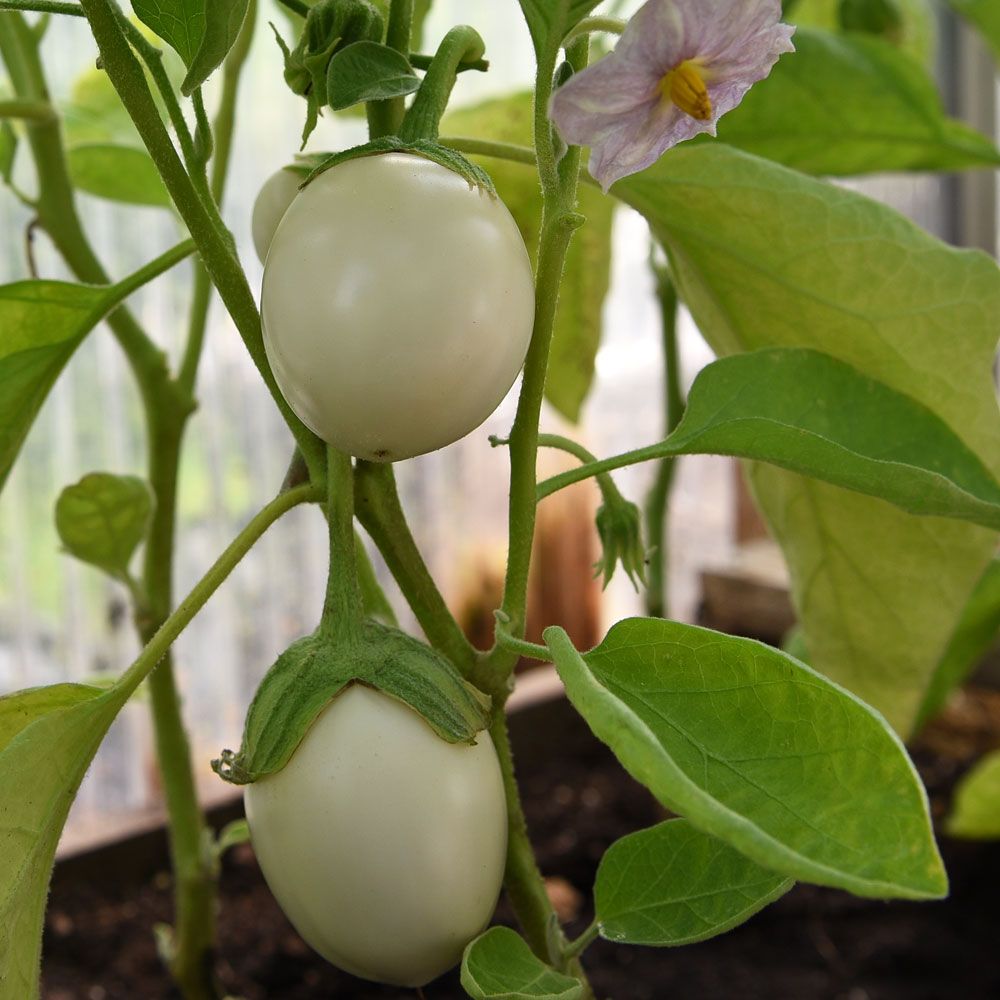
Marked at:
<point>814,944</point>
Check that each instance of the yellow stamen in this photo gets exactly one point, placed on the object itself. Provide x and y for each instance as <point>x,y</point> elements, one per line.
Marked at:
<point>685,86</point>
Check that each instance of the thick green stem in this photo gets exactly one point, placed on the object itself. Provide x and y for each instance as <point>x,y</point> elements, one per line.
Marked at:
<point>214,241</point>
<point>38,111</point>
<point>522,879</point>
<point>380,512</point>
<point>225,121</point>
<point>461,45</point>
<point>658,499</point>
<point>343,609</point>
<point>43,7</point>
<point>385,117</point>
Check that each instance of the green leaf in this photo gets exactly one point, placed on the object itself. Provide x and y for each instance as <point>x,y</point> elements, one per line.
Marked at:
<point>499,965</point>
<point>200,31</point>
<point>810,413</point>
<point>766,257</point>
<point>8,150</point>
<point>314,670</point>
<point>984,16</point>
<point>223,21</point>
<point>919,29</point>
<point>48,737</point>
<point>673,885</point>
<point>368,71</point>
<point>550,20</point>
<point>118,173</point>
<point>976,813</point>
<point>102,518</point>
<point>852,104</point>
<point>975,633</point>
<point>180,23</point>
<point>587,275</point>
<point>760,751</point>
<point>43,323</point>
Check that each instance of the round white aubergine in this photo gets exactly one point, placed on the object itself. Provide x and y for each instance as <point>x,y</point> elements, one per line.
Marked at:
<point>397,306</point>
<point>384,844</point>
<point>273,199</point>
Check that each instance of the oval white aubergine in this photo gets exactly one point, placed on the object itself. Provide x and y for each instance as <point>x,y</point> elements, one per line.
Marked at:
<point>384,845</point>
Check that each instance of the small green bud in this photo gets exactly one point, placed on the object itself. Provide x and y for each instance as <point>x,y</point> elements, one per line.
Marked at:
<point>331,26</point>
<point>619,525</point>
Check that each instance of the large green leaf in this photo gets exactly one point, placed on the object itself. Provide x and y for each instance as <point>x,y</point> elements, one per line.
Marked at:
<point>985,16</point>
<point>577,330</point>
<point>976,813</point>
<point>41,325</point>
<point>200,31</point>
<point>760,751</point>
<point>674,885</point>
<point>975,633</point>
<point>48,737</point>
<point>43,322</point>
<point>807,412</point>
<point>852,104</point>
<point>118,173</point>
<point>919,23</point>
<point>767,257</point>
<point>499,965</point>
<point>102,519</point>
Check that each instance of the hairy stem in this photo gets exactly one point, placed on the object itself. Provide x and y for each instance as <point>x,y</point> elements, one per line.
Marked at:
<point>164,637</point>
<point>657,501</point>
<point>43,7</point>
<point>214,241</point>
<point>380,512</point>
<point>343,609</point>
<point>461,45</point>
<point>385,117</point>
<point>522,879</point>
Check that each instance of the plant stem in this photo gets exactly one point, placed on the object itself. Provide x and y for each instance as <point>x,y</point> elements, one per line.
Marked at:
<point>38,111</point>
<point>225,121</point>
<point>343,609</point>
<point>609,491</point>
<point>461,45</point>
<point>657,501</point>
<point>43,7</point>
<point>194,869</point>
<point>380,512</point>
<point>522,879</point>
<point>385,117</point>
<point>579,944</point>
<point>593,25</point>
<point>214,241</point>
<point>487,147</point>
<point>163,639</point>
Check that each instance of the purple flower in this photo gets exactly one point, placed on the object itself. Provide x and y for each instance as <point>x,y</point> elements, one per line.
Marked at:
<point>679,66</point>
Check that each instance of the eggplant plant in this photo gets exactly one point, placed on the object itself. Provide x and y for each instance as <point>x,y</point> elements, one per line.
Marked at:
<point>408,282</point>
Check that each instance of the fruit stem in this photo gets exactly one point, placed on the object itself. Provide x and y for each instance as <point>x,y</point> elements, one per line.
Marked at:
<point>343,610</point>
<point>461,45</point>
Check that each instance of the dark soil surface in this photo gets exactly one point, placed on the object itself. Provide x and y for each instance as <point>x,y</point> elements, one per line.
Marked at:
<point>813,944</point>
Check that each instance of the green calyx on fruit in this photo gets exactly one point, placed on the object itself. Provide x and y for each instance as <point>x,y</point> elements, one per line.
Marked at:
<point>473,174</point>
<point>315,670</point>
<point>330,26</point>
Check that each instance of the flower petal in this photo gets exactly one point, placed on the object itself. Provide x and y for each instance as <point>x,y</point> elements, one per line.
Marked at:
<point>617,106</point>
